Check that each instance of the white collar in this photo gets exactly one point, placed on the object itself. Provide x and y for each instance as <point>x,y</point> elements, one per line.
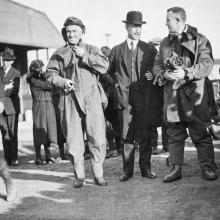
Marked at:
<point>7,70</point>
<point>135,42</point>
<point>184,30</point>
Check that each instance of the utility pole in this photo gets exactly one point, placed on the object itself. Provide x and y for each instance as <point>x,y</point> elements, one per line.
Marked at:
<point>107,36</point>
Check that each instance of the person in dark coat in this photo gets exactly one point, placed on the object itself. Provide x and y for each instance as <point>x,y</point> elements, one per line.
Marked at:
<point>182,65</point>
<point>9,89</point>
<point>4,171</point>
<point>139,102</point>
<point>44,118</point>
<point>154,134</point>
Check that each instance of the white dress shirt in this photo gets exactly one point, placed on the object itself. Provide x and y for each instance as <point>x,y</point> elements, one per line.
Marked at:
<point>135,42</point>
<point>6,70</point>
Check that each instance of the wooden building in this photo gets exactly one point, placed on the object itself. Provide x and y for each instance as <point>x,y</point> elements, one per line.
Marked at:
<point>25,29</point>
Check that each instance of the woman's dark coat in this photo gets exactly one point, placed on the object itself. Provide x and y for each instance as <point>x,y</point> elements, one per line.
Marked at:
<point>44,118</point>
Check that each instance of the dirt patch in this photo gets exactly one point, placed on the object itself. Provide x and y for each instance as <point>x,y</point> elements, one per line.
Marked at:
<point>47,192</point>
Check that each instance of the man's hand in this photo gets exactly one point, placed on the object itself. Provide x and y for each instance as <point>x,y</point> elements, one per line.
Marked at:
<point>69,86</point>
<point>149,75</point>
<point>179,74</point>
<point>159,80</point>
<point>175,75</point>
<point>79,51</point>
<point>9,86</point>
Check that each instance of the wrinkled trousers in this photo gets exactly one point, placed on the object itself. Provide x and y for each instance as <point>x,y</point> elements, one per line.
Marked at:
<point>92,124</point>
<point>200,137</point>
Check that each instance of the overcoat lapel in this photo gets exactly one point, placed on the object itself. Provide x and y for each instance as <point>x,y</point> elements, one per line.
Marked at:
<point>190,45</point>
<point>139,58</point>
<point>8,76</point>
<point>124,54</point>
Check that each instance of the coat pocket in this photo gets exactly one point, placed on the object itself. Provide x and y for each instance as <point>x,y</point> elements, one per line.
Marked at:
<point>190,89</point>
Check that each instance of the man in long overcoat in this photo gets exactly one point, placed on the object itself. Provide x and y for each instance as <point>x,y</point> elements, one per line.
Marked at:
<point>9,90</point>
<point>73,68</point>
<point>182,64</point>
<point>138,100</point>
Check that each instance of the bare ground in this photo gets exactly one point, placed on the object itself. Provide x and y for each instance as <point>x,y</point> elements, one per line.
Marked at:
<point>47,192</point>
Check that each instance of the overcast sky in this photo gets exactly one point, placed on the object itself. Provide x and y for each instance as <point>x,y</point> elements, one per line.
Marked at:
<point>103,17</point>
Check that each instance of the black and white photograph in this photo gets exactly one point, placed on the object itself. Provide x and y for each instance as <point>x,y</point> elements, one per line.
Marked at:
<point>109,110</point>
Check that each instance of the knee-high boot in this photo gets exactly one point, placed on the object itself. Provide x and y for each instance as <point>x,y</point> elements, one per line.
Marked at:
<point>39,160</point>
<point>38,152</point>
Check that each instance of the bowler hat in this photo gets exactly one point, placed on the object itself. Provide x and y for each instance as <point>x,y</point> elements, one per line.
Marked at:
<point>8,54</point>
<point>134,17</point>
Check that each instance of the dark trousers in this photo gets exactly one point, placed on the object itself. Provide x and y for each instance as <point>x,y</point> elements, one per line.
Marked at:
<point>200,137</point>
<point>154,137</point>
<point>145,151</point>
<point>9,130</point>
<point>164,136</point>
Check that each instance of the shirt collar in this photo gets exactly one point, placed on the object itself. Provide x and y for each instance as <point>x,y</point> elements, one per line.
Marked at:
<point>183,32</point>
<point>7,70</point>
<point>172,36</point>
<point>135,42</point>
<point>185,28</point>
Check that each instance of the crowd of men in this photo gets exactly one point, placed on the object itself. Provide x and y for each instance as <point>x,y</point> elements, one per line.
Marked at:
<point>148,88</point>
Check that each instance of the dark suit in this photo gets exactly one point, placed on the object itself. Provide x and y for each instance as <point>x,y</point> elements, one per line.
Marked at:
<point>139,102</point>
<point>9,127</point>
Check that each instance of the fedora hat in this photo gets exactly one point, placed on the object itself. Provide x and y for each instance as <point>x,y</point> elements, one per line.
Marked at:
<point>134,17</point>
<point>8,54</point>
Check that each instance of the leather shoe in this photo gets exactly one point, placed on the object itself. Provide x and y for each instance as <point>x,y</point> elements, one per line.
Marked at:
<point>124,178</point>
<point>78,183</point>
<point>155,151</point>
<point>209,174</point>
<point>149,174</point>
<point>14,163</point>
<point>175,174</point>
<point>100,181</point>
<point>39,162</point>
<point>50,160</point>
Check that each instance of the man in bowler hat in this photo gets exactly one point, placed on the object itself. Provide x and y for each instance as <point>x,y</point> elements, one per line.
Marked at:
<point>138,101</point>
<point>9,89</point>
